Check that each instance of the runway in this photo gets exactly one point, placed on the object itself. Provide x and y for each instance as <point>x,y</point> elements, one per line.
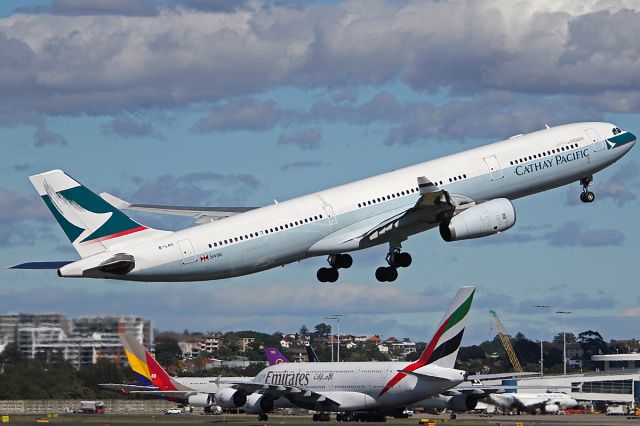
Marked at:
<point>195,419</point>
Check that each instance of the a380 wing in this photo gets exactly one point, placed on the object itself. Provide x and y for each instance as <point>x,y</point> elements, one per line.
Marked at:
<point>200,214</point>
<point>300,397</point>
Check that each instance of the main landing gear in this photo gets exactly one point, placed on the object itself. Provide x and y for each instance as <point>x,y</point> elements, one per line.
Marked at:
<point>322,417</point>
<point>336,261</point>
<point>587,196</point>
<point>396,259</point>
<point>263,417</point>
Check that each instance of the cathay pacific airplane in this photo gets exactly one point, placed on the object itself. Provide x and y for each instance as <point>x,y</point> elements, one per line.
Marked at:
<point>466,195</point>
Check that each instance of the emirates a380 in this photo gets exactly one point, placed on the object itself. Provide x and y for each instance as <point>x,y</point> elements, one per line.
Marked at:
<point>466,195</point>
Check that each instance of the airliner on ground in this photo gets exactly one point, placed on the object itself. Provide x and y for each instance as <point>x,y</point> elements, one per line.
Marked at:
<point>465,195</point>
<point>548,402</point>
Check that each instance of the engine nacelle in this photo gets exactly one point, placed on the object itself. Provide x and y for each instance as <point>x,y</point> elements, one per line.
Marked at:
<point>551,409</point>
<point>258,403</point>
<point>461,403</point>
<point>200,400</point>
<point>480,220</point>
<point>231,398</point>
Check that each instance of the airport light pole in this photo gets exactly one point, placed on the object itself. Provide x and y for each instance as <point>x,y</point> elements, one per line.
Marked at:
<point>337,317</point>
<point>564,338</point>
<point>331,318</point>
<point>541,308</point>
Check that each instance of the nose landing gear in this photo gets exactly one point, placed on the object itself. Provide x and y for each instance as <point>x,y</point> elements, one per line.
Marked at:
<point>587,196</point>
<point>336,261</point>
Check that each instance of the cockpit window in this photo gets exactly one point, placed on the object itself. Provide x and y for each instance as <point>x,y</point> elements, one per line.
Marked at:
<point>616,130</point>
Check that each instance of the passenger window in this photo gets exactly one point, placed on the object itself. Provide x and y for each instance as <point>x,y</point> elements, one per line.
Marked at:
<point>209,245</point>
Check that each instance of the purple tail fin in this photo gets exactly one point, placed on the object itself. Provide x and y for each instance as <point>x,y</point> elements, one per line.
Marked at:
<point>274,356</point>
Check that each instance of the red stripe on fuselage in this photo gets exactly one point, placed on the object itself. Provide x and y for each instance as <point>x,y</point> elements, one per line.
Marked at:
<point>424,358</point>
<point>117,234</point>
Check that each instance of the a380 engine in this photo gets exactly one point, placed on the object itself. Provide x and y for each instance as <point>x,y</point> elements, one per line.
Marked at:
<point>258,403</point>
<point>200,400</point>
<point>480,220</point>
<point>461,403</point>
<point>231,398</point>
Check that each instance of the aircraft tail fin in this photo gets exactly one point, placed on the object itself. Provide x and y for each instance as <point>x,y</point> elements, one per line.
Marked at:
<point>443,348</point>
<point>148,372</point>
<point>311,354</point>
<point>274,356</point>
<point>92,224</point>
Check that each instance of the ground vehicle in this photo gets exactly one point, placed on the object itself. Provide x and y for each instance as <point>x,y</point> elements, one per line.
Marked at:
<point>174,410</point>
<point>616,410</point>
<point>92,407</point>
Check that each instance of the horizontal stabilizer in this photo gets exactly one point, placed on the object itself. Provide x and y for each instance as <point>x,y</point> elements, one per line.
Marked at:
<point>42,265</point>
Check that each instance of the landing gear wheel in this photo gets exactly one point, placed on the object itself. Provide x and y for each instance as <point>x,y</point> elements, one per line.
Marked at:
<point>402,260</point>
<point>263,417</point>
<point>343,261</point>
<point>327,275</point>
<point>315,417</point>
<point>386,274</point>
<point>587,196</point>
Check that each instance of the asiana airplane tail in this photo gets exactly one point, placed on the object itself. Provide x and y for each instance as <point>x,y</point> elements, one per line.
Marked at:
<point>92,224</point>
<point>147,371</point>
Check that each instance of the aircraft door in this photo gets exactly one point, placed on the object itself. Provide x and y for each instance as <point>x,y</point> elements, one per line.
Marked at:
<point>598,143</point>
<point>494,167</point>
<point>188,253</point>
<point>330,214</point>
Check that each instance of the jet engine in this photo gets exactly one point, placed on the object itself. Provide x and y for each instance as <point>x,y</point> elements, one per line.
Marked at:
<point>461,403</point>
<point>231,398</point>
<point>200,400</point>
<point>480,220</point>
<point>258,403</point>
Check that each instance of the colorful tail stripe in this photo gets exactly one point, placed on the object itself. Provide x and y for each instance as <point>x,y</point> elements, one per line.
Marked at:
<point>274,356</point>
<point>436,350</point>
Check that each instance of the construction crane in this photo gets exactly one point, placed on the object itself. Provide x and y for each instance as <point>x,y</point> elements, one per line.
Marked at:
<point>506,343</point>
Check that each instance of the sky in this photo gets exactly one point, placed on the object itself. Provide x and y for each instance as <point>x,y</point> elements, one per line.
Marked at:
<point>211,103</point>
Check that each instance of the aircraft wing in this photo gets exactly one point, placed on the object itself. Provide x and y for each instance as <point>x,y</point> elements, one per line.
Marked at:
<point>300,397</point>
<point>433,206</point>
<point>129,388</point>
<point>201,214</point>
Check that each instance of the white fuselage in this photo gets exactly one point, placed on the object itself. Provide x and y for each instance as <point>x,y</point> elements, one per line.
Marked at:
<point>532,400</point>
<point>334,220</point>
<point>362,386</point>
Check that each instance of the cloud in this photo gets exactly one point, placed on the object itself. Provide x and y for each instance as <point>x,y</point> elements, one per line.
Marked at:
<point>181,307</point>
<point>99,57</point>
<point>126,129</point>
<point>305,164</point>
<point>44,136</point>
<point>619,188</point>
<point>21,218</point>
<point>21,167</point>
<point>241,114</point>
<point>572,234</point>
<point>95,8</point>
<point>303,139</point>
<point>200,188</point>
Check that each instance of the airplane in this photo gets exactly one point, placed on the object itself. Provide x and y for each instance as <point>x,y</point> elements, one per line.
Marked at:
<point>367,391</point>
<point>274,356</point>
<point>550,403</point>
<point>153,380</point>
<point>465,195</point>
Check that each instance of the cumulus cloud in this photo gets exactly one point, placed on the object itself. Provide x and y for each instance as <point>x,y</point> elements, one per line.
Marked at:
<point>99,57</point>
<point>620,188</point>
<point>572,234</point>
<point>303,139</point>
<point>127,128</point>
<point>305,164</point>
<point>17,216</point>
<point>230,303</point>
<point>241,114</point>
<point>200,188</point>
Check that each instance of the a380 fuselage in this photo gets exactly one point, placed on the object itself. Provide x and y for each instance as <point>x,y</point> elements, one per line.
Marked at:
<point>331,221</point>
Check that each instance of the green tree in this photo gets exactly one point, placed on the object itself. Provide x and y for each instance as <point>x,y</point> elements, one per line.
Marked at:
<point>168,352</point>
<point>323,329</point>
